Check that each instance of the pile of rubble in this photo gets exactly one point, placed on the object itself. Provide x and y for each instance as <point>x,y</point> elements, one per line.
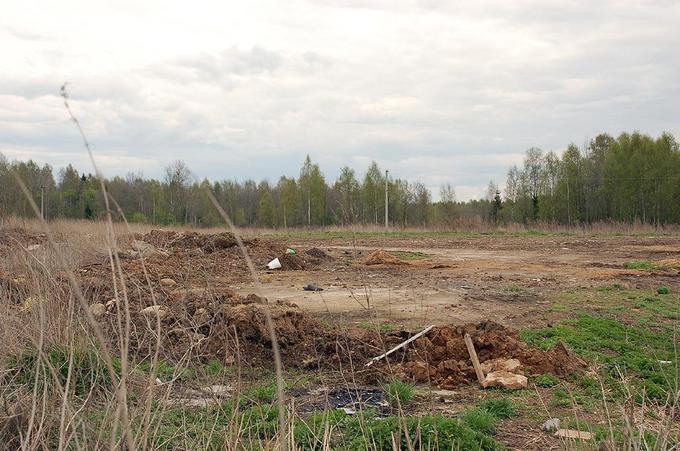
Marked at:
<point>442,358</point>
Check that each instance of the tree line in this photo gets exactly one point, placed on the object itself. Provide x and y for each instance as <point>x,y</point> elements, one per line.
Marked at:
<point>632,178</point>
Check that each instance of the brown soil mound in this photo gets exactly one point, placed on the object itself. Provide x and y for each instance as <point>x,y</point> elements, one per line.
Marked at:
<point>291,262</point>
<point>318,254</point>
<point>190,240</point>
<point>381,257</point>
<point>233,328</point>
<point>441,357</point>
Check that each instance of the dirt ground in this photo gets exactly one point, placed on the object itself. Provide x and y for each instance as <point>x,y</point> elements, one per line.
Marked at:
<point>449,280</point>
<point>336,301</point>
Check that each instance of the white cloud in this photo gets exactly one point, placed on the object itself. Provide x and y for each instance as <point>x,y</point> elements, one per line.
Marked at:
<point>433,90</point>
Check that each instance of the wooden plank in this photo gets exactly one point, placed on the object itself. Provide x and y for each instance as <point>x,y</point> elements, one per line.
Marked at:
<point>475,360</point>
<point>573,434</point>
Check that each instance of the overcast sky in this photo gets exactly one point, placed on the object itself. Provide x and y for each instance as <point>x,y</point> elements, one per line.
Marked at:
<point>436,91</point>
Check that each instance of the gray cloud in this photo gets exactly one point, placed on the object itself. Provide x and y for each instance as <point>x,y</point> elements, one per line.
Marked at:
<point>436,91</point>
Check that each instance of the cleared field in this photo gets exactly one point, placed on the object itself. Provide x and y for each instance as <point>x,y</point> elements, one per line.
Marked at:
<point>592,319</point>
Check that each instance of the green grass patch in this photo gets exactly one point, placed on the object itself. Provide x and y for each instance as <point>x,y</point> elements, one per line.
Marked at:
<point>88,370</point>
<point>663,290</point>
<point>628,306</point>
<point>501,408</point>
<point>165,371</point>
<point>382,327</point>
<point>399,393</point>
<point>514,288</point>
<point>621,348</point>
<point>262,393</point>
<point>643,265</point>
<point>256,426</point>
<point>425,432</point>
<point>546,380</point>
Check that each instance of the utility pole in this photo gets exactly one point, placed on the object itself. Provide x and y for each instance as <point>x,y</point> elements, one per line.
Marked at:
<point>387,205</point>
<point>42,203</point>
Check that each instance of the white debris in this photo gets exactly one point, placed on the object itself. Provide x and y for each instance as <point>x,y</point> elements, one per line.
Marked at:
<point>274,264</point>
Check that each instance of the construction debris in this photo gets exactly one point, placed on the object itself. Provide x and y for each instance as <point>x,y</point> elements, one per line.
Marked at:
<point>442,357</point>
<point>505,379</point>
<point>573,434</point>
<point>509,365</point>
<point>274,264</point>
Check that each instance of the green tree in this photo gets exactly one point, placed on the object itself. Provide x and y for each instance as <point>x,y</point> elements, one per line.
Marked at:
<point>313,190</point>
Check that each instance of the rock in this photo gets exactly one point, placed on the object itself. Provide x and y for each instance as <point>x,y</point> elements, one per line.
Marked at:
<point>551,425</point>
<point>168,282</point>
<point>154,311</point>
<point>98,310</point>
<point>509,365</point>
<point>573,434</point>
<point>505,379</point>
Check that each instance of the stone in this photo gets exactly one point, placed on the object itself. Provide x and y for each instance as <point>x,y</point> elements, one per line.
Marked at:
<point>551,425</point>
<point>509,365</point>
<point>168,282</point>
<point>505,379</point>
<point>154,311</point>
<point>98,310</point>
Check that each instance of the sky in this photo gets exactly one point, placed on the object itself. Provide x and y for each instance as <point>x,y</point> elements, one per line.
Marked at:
<point>435,91</point>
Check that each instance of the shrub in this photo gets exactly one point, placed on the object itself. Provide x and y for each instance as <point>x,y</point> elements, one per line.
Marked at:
<point>399,393</point>
<point>479,420</point>
<point>546,380</point>
<point>501,408</point>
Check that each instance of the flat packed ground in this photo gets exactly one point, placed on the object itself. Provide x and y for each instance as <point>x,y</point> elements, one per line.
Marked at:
<point>611,299</point>
<point>518,281</point>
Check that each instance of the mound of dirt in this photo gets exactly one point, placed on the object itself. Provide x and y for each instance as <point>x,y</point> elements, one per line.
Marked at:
<point>291,262</point>
<point>190,240</point>
<point>227,326</point>
<point>441,357</point>
<point>318,254</point>
<point>382,257</point>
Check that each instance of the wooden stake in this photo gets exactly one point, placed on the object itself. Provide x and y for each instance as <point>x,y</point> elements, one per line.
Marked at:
<point>475,360</point>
